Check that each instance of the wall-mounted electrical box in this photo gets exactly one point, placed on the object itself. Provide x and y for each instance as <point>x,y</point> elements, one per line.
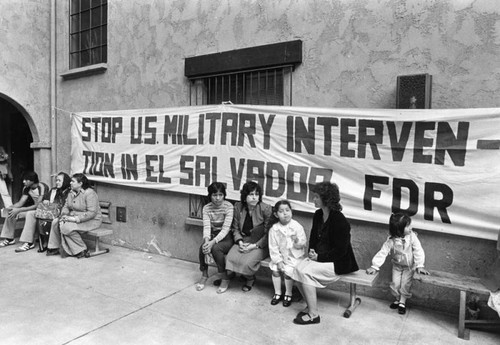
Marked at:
<point>121,214</point>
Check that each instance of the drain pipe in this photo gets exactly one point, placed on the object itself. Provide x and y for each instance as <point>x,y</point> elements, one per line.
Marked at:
<point>53,118</point>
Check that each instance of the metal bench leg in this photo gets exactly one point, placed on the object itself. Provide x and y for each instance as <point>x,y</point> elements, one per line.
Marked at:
<point>354,302</point>
<point>98,251</point>
<point>463,332</point>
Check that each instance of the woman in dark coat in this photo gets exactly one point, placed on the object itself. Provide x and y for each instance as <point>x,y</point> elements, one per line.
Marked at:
<point>330,250</point>
<point>249,228</point>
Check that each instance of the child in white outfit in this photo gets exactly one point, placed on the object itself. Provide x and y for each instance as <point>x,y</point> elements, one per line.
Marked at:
<point>407,256</point>
<point>287,243</point>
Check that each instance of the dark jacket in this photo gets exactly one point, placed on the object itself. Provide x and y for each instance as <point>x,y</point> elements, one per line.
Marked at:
<point>332,241</point>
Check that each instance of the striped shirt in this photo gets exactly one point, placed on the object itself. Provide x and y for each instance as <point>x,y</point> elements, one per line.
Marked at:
<point>217,220</point>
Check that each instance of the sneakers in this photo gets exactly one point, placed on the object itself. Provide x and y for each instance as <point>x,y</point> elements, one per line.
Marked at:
<point>6,242</point>
<point>25,247</point>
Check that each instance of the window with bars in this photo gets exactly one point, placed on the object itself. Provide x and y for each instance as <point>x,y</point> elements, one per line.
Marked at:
<point>88,32</point>
<point>259,87</point>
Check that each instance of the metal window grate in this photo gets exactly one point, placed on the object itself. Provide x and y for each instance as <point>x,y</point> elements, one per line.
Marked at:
<point>87,32</point>
<point>259,87</point>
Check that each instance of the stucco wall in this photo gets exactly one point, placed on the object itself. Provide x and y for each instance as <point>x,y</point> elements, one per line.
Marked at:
<point>352,53</point>
<point>24,61</point>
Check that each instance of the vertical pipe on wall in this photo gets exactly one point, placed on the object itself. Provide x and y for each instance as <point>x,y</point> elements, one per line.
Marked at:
<point>53,118</point>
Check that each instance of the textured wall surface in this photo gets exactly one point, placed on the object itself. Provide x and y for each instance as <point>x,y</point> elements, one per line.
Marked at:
<point>25,59</point>
<point>353,50</point>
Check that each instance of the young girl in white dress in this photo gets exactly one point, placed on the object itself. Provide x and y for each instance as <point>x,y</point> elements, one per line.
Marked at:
<point>287,243</point>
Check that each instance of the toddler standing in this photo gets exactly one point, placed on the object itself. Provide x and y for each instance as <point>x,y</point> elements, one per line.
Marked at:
<point>407,256</point>
<point>287,242</point>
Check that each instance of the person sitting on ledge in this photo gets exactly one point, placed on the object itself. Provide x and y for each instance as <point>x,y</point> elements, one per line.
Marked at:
<point>33,193</point>
<point>217,240</point>
<point>81,213</point>
<point>330,250</point>
<point>250,232</point>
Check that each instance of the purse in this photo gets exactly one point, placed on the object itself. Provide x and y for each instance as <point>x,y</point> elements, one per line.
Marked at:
<point>47,211</point>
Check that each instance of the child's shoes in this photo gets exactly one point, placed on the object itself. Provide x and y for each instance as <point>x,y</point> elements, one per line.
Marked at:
<point>276,299</point>
<point>287,301</point>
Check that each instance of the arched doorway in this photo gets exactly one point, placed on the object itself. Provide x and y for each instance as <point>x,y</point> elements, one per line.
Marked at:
<point>15,137</point>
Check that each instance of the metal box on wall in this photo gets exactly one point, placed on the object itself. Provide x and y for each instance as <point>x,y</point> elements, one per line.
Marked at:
<point>414,91</point>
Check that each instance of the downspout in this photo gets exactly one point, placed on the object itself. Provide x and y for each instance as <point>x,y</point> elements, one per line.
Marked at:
<point>53,118</point>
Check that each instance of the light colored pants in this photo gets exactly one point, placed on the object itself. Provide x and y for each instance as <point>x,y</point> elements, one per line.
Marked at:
<point>402,279</point>
<point>29,230</point>
<point>55,235</point>
<point>4,193</point>
<point>9,226</point>
<point>28,234</point>
<point>71,240</point>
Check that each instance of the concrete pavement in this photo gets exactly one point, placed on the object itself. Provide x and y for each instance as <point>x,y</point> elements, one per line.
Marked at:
<point>133,297</point>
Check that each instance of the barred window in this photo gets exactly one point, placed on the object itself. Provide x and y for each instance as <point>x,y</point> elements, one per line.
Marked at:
<point>88,32</point>
<point>259,87</point>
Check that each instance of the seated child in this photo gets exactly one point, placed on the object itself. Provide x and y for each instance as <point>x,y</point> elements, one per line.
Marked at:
<point>407,256</point>
<point>287,243</point>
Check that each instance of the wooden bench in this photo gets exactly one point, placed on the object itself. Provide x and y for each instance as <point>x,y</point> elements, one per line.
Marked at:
<point>464,284</point>
<point>96,234</point>
<point>354,279</point>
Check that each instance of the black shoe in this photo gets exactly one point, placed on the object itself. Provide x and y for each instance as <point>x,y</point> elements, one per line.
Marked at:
<point>301,321</point>
<point>394,305</point>
<point>83,254</point>
<point>276,299</point>
<point>54,251</point>
<point>401,308</point>
<point>287,301</point>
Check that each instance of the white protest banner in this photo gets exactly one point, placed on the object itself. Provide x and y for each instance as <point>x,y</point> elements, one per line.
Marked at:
<point>442,167</point>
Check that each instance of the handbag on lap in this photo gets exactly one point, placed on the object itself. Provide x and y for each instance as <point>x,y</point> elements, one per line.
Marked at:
<point>47,211</point>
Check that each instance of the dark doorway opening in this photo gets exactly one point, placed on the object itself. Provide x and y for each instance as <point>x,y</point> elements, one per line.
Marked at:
<point>15,137</point>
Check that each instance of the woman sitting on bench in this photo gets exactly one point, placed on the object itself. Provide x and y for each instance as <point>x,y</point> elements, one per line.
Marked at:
<point>81,213</point>
<point>330,250</point>
<point>57,195</point>
<point>249,229</point>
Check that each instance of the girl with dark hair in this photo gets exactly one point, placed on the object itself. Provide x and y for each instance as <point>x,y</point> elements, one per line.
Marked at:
<point>249,229</point>
<point>80,213</point>
<point>217,218</point>
<point>407,257</point>
<point>287,242</point>
<point>330,250</point>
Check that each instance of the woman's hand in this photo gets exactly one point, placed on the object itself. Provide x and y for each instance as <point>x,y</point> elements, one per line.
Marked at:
<point>313,255</point>
<point>71,219</point>
<point>281,266</point>
<point>13,212</point>
<point>248,247</point>
<point>371,270</point>
<point>207,246</point>
<point>45,202</point>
